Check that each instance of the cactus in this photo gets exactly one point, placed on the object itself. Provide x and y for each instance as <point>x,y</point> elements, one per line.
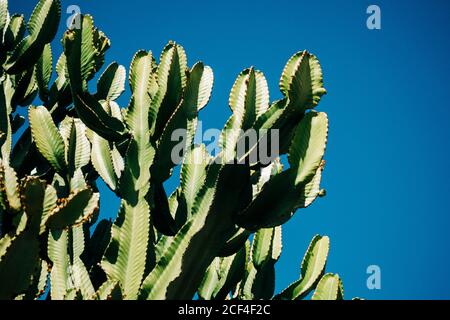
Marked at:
<point>218,234</point>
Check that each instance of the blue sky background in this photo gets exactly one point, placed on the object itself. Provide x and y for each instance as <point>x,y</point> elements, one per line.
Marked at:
<point>387,167</point>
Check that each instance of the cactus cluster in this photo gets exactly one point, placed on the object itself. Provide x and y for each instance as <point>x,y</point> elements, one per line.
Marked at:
<point>217,235</point>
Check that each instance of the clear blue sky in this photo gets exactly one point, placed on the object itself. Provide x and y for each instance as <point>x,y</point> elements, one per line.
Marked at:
<point>387,167</point>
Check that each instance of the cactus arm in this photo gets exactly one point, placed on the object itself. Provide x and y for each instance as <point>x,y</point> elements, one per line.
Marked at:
<point>2,214</point>
<point>42,28</point>
<point>183,118</point>
<point>193,174</point>
<point>262,94</point>
<point>102,44</point>
<point>249,99</point>
<point>65,248</point>
<point>73,294</point>
<point>60,93</point>
<point>97,244</point>
<point>313,266</point>
<point>9,186</point>
<point>162,217</point>
<point>19,254</point>
<point>5,125</point>
<point>179,271</point>
<point>35,203</point>
<point>78,183</point>
<point>210,281</point>
<point>197,93</point>
<point>199,87</point>
<point>275,117</point>
<point>259,281</point>
<point>49,204</point>
<point>77,208</point>
<point>312,189</point>
<point>258,284</point>
<point>287,202</point>
<point>125,257</point>
<point>295,187</point>
<point>5,243</point>
<point>251,92</point>
<point>302,81</point>
<point>308,146</point>
<point>111,83</point>
<point>196,97</point>
<point>95,118</point>
<point>17,121</point>
<point>25,89</point>
<point>102,160</point>
<point>43,72</point>
<point>47,138</point>
<point>199,83</point>
<point>80,51</point>
<point>161,245</point>
<point>272,116</point>
<point>263,175</point>
<point>231,271</point>
<point>171,75</point>
<point>277,244</point>
<point>17,265</point>
<point>222,275</point>
<point>118,161</point>
<point>14,32</point>
<point>39,282</point>
<point>246,286</point>
<point>140,150</point>
<point>132,186</point>
<point>235,242</point>
<point>128,254</point>
<point>302,86</point>
<point>261,248</point>
<point>141,79</point>
<point>277,197</point>
<point>80,274</point>
<point>329,288</point>
<point>81,55</point>
<point>65,129</point>
<point>3,17</point>
<point>58,253</point>
<point>245,99</point>
<point>340,290</point>
<point>79,148</point>
<point>113,109</point>
<point>109,290</point>
<point>24,152</point>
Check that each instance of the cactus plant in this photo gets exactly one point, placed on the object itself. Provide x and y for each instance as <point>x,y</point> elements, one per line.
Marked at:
<point>218,234</point>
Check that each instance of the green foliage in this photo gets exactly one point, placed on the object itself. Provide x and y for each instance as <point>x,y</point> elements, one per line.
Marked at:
<point>217,234</point>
